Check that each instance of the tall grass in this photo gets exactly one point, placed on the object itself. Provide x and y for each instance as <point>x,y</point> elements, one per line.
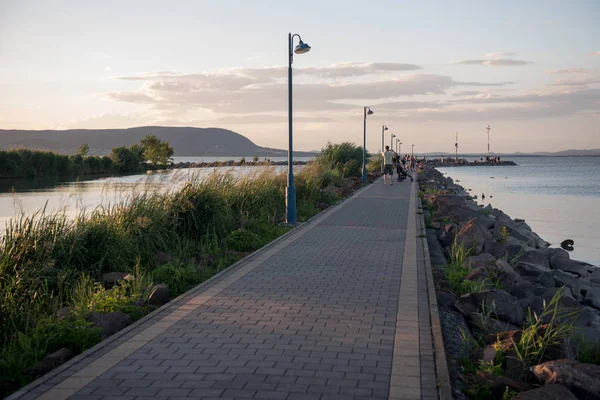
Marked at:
<point>50,261</point>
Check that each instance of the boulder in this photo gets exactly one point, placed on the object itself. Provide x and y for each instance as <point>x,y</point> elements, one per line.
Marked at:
<point>581,379</point>
<point>50,362</point>
<point>573,267</point>
<point>547,392</point>
<point>479,274</point>
<point>578,287</point>
<point>480,260</point>
<point>524,292</point>
<point>159,295</point>
<point>536,257</point>
<point>488,325</point>
<point>557,255</point>
<point>111,278</point>
<point>322,206</point>
<point>595,276</point>
<point>506,275</point>
<point>507,251</point>
<point>436,252</point>
<point>63,313</point>
<point>446,234</point>
<point>446,299</point>
<point>531,270</point>
<point>587,325</point>
<point>592,296</point>
<point>110,323</point>
<point>498,384</point>
<point>500,303</point>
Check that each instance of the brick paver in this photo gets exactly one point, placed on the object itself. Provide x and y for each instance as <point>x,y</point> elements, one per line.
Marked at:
<point>337,309</point>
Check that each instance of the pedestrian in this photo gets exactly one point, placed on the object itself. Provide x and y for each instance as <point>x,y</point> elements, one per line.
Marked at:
<point>388,156</point>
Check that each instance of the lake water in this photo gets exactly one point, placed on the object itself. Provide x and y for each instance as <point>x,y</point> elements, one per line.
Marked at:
<point>559,197</point>
<point>28,196</point>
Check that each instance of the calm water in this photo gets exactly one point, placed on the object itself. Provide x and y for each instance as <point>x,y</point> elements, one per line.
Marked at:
<point>559,197</point>
<point>28,196</point>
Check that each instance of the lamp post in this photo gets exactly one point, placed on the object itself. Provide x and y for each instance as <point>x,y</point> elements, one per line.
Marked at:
<point>290,198</point>
<point>383,129</point>
<point>413,151</point>
<point>367,111</point>
<point>488,130</point>
<point>397,141</point>
<point>392,141</point>
<point>399,147</point>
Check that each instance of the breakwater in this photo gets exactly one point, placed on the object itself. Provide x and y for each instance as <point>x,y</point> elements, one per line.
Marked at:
<point>447,162</point>
<point>231,163</point>
<point>501,288</point>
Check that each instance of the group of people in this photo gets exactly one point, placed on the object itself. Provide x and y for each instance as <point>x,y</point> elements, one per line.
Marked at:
<point>392,159</point>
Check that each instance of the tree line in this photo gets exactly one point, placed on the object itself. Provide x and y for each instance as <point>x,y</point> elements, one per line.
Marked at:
<point>150,153</point>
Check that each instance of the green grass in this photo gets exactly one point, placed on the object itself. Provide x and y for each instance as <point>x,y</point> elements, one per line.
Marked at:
<point>51,261</point>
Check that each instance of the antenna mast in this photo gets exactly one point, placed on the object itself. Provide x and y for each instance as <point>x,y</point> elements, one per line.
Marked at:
<point>456,149</point>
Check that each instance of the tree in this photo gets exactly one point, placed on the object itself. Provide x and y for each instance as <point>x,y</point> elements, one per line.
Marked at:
<point>125,159</point>
<point>156,151</point>
<point>255,159</point>
<point>83,150</point>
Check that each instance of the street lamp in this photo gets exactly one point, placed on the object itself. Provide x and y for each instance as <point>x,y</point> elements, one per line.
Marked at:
<point>413,151</point>
<point>367,111</point>
<point>400,148</point>
<point>392,141</point>
<point>397,140</point>
<point>383,129</point>
<point>290,198</point>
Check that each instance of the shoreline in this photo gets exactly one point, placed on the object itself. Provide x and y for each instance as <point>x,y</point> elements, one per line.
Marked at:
<point>492,275</point>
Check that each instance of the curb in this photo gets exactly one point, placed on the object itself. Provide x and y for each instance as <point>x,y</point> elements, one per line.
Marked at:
<point>441,362</point>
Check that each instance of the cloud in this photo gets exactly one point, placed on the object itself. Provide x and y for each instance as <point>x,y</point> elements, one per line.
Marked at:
<point>500,55</point>
<point>499,62</point>
<point>568,71</point>
<point>595,53</point>
<point>466,93</point>
<point>577,77</point>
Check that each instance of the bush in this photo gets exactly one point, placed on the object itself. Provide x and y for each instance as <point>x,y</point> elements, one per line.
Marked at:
<point>345,157</point>
<point>243,240</point>
<point>178,276</point>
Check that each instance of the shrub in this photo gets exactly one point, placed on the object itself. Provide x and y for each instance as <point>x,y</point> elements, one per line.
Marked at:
<point>243,240</point>
<point>345,157</point>
<point>178,276</point>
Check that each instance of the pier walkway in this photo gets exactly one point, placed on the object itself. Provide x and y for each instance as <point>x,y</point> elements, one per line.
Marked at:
<point>342,307</point>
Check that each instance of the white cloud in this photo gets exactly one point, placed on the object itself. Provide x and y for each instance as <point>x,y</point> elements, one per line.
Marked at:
<point>568,71</point>
<point>595,53</point>
<point>498,62</point>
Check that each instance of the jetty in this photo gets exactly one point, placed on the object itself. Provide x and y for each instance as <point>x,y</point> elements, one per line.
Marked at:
<point>451,162</point>
<point>341,307</point>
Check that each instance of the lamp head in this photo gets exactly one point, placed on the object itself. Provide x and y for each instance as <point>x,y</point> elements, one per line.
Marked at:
<point>385,128</point>
<point>302,48</point>
<point>369,111</point>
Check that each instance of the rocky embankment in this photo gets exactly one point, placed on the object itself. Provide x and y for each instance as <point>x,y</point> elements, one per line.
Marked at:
<point>231,163</point>
<point>519,318</point>
<point>449,162</point>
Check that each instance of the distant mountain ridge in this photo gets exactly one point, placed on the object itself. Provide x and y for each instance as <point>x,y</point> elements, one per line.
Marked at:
<point>563,153</point>
<point>187,141</point>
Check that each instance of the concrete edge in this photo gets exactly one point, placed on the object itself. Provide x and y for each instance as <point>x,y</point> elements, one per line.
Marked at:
<point>176,301</point>
<point>441,362</point>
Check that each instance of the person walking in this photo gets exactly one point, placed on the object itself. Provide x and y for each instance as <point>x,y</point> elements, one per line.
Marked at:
<point>388,156</point>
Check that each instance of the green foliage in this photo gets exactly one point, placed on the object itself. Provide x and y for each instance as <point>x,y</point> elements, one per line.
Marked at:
<point>83,150</point>
<point>503,235</point>
<point>536,340</point>
<point>243,160</point>
<point>126,160</point>
<point>243,240</point>
<point>588,353</point>
<point>156,150</point>
<point>255,159</point>
<point>180,277</point>
<point>23,163</point>
<point>374,164</point>
<point>345,157</point>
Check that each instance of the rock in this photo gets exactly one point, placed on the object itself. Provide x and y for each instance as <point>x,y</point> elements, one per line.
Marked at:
<point>500,303</point>
<point>110,323</point>
<point>531,270</point>
<point>578,288</point>
<point>572,266</point>
<point>479,274</point>
<point>50,362</point>
<point>557,255</point>
<point>472,236</point>
<point>111,278</point>
<point>524,292</point>
<point>498,384</point>
<point>480,260</point>
<point>322,206</point>
<point>581,379</point>
<point>567,300</point>
<point>587,325</point>
<point>159,295</point>
<point>244,224</point>
<point>535,257</point>
<point>592,296</point>
<point>162,258</point>
<point>595,276</point>
<point>547,392</point>
<point>436,253</point>
<point>488,325</point>
<point>507,251</point>
<point>435,225</point>
<point>506,275</point>
<point>447,233</point>
<point>446,299</point>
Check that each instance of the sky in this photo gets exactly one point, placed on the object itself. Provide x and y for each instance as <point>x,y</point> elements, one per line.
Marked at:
<point>428,69</point>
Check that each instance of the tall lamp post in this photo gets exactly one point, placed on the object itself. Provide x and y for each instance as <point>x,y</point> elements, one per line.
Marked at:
<point>413,151</point>
<point>367,111</point>
<point>290,198</point>
<point>399,147</point>
<point>383,129</point>
<point>392,141</point>
<point>488,129</point>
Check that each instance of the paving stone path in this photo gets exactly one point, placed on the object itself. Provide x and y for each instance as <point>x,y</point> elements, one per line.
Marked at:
<point>339,308</point>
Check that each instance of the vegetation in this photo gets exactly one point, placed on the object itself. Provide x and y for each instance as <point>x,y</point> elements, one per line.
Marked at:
<point>50,264</point>
<point>345,157</point>
<point>24,163</point>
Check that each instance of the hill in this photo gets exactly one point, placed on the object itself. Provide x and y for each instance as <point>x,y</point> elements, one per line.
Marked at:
<point>186,141</point>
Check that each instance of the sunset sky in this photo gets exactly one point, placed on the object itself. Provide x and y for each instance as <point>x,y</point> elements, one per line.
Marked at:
<point>428,69</point>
